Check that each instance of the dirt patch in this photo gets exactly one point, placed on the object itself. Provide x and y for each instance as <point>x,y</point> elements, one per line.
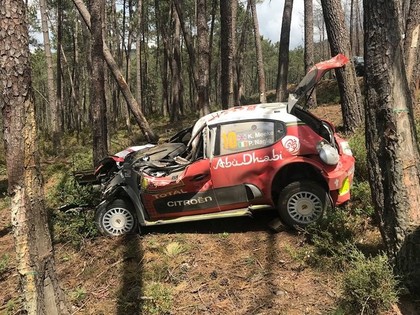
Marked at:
<point>214,267</point>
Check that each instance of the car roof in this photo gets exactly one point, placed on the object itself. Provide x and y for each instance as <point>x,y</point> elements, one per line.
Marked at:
<point>275,111</point>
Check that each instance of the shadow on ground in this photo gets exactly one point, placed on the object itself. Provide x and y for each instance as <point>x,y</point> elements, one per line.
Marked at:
<point>131,290</point>
<point>258,223</point>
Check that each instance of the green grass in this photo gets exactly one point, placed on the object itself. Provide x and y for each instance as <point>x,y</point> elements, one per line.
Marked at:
<point>157,299</point>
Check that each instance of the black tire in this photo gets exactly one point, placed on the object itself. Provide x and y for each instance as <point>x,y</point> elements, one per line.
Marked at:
<point>302,202</point>
<point>118,218</point>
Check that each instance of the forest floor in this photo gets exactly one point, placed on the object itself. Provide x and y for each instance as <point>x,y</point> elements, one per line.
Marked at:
<point>232,266</point>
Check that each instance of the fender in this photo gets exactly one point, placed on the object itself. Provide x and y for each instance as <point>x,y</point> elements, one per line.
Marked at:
<point>319,166</point>
<point>302,159</point>
<point>134,197</point>
<point>325,171</point>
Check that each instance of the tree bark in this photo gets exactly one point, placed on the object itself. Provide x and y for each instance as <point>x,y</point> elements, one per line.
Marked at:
<point>260,60</point>
<point>213,20</point>
<point>125,89</point>
<point>34,251</point>
<point>283,69</point>
<point>188,41</point>
<point>391,140</point>
<point>348,86</point>
<point>52,99</point>
<point>163,36</point>
<point>59,76</point>
<point>411,43</point>
<point>138,51</point>
<point>239,57</point>
<point>203,52</point>
<point>98,102</point>
<point>176,84</point>
<point>309,43</point>
<point>227,50</point>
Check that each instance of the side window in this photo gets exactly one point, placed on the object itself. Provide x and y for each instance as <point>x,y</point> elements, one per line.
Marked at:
<point>249,135</point>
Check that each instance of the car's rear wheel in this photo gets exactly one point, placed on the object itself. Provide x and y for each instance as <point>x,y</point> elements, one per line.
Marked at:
<point>118,218</point>
<point>302,202</point>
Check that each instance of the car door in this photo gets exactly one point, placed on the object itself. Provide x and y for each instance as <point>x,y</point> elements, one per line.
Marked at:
<point>187,191</point>
<point>243,159</point>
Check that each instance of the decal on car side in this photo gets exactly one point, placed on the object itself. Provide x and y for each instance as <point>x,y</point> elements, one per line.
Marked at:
<point>201,200</point>
<point>247,159</point>
<point>186,202</point>
<point>291,144</point>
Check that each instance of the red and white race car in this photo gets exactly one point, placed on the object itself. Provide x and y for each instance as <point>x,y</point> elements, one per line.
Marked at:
<point>231,163</point>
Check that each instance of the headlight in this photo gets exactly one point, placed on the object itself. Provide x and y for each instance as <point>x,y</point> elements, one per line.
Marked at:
<point>327,153</point>
<point>346,148</point>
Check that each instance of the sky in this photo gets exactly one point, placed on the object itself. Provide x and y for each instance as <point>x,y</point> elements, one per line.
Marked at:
<point>270,13</point>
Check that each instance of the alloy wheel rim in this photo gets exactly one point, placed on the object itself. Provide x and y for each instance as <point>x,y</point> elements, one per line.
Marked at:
<point>304,207</point>
<point>118,221</point>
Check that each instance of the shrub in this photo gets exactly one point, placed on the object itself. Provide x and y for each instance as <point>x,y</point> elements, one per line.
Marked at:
<point>68,191</point>
<point>73,227</point>
<point>334,238</point>
<point>78,295</point>
<point>358,146</point>
<point>369,285</point>
<point>77,224</point>
<point>4,264</point>
<point>362,199</point>
<point>330,237</point>
<point>157,300</point>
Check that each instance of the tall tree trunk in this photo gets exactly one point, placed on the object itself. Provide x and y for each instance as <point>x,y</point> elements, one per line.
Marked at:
<point>176,69</point>
<point>235,85</point>
<point>391,140</point>
<point>52,100</point>
<point>163,37</point>
<point>227,51</point>
<point>188,41</point>
<point>34,251</point>
<point>129,46</point>
<point>412,38</point>
<point>213,19</point>
<point>203,59</point>
<point>125,89</point>
<point>77,113</point>
<point>283,68</point>
<point>138,50</point>
<point>351,27</point>
<point>125,40</point>
<point>309,43</point>
<point>348,86</point>
<point>59,76</point>
<point>239,58</point>
<point>98,102</point>
<point>359,36</point>
<point>260,60</point>
<point>73,112</point>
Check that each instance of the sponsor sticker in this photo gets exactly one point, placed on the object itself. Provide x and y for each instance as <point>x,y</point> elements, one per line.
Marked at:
<point>291,144</point>
<point>247,159</point>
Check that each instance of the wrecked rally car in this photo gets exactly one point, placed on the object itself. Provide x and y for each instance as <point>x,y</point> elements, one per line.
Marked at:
<point>232,163</point>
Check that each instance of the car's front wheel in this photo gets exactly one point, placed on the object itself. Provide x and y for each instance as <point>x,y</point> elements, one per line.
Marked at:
<point>302,202</point>
<point>118,218</point>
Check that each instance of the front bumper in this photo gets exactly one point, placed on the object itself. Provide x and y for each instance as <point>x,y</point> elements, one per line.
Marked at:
<point>340,180</point>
